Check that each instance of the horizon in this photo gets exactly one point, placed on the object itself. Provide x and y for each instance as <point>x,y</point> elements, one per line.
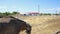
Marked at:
<point>23,6</point>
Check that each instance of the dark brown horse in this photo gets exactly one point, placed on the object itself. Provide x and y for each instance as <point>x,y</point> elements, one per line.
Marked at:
<point>11,25</point>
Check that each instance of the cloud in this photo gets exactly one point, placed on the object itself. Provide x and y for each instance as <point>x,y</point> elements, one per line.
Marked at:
<point>3,7</point>
<point>8,8</point>
<point>50,10</point>
<point>15,8</point>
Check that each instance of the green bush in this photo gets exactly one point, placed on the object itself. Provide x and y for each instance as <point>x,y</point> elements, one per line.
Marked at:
<point>8,13</point>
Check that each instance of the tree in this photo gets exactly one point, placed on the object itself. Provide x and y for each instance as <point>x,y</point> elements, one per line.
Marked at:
<point>15,12</point>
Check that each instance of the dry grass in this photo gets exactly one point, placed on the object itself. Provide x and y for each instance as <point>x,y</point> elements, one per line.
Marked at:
<point>43,24</point>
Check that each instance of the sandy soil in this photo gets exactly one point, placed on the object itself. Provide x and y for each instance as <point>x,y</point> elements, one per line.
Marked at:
<point>42,24</point>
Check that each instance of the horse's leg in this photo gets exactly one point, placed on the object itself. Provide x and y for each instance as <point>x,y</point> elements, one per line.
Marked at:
<point>28,29</point>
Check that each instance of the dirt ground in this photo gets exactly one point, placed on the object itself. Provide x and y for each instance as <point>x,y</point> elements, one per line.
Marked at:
<point>42,24</point>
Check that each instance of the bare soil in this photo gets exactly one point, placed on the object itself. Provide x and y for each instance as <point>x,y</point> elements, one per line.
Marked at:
<point>42,24</point>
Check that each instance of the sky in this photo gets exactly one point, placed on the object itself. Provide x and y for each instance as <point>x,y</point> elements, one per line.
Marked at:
<point>22,6</point>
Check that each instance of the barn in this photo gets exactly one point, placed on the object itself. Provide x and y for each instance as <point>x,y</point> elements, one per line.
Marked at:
<point>33,13</point>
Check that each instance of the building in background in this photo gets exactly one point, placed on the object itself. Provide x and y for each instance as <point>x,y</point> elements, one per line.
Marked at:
<point>31,14</point>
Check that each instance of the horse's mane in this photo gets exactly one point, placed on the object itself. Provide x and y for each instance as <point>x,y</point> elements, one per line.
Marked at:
<point>6,19</point>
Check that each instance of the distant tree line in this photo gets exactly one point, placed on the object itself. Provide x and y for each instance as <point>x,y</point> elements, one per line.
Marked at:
<point>45,14</point>
<point>48,14</point>
<point>8,13</point>
<point>15,12</point>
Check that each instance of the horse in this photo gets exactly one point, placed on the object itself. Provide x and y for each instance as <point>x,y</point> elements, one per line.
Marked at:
<point>12,25</point>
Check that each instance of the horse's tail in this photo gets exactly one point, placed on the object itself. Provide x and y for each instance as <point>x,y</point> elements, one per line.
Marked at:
<point>28,28</point>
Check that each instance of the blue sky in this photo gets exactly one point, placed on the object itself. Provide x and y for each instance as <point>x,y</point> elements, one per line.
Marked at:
<point>46,6</point>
